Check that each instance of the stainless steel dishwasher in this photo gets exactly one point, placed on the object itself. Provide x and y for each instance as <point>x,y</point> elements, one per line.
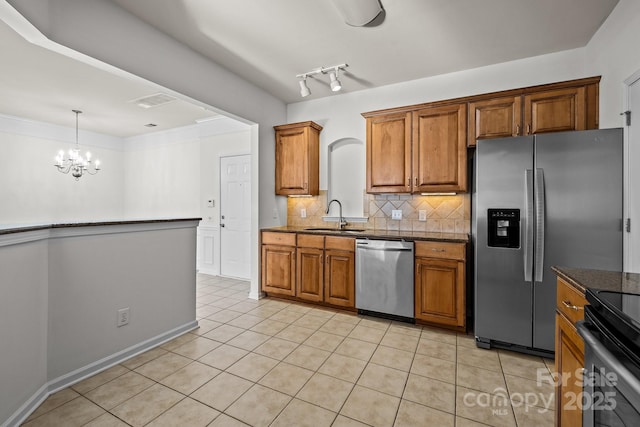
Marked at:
<point>384,278</point>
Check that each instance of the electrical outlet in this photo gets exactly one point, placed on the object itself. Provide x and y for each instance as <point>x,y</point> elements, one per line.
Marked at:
<point>123,316</point>
<point>303,213</point>
<point>422,215</point>
<point>396,214</point>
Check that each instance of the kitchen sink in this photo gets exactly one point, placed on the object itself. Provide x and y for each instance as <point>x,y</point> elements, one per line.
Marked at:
<point>336,230</point>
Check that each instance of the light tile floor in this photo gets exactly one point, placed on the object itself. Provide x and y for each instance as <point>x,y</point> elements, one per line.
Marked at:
<point>275,363</point>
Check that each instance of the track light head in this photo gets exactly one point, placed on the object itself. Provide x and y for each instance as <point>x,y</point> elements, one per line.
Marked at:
<point>304,89</point>
<point>335,83</point>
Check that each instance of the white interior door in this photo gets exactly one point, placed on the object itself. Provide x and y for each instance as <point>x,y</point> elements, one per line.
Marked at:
<point>235,216</point>
<point>632,249</point>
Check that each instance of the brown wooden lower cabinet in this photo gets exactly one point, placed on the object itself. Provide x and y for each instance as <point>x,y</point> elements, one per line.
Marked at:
<point>316,269</point>
<point>310,277</point>
<point>569,358</point>
<point>279,269</point>
<point>310,264</point>
<point>440,285</point>
<point>569,362</point>
<point>339,287</point>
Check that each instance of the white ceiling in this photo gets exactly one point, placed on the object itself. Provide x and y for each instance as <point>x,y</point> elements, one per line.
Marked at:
<point>269,42</point>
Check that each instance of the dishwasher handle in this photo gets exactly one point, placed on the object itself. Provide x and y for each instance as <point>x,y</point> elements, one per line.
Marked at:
<point>385,246</point>
<point>383,249</point>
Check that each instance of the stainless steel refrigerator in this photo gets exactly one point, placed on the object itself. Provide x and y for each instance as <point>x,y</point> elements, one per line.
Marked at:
<point>540,201</point>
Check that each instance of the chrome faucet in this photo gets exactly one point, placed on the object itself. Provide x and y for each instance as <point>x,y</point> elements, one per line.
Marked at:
<point>342,223</point>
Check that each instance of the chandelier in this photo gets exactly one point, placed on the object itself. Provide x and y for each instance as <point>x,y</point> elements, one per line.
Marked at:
<point>75,163</point>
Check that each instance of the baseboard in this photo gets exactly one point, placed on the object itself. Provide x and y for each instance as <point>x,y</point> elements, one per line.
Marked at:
<point>256,295</point>
<point>205,270</point>
<point>87,371</point>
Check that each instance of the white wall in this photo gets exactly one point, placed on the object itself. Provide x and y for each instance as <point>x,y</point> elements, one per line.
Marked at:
<point>161,175</point>
<point>60,290</point>
<point>163,181</point>
<point>93,275</point>
<point>613,53</point>
<point>32,189</point>
<point>211,149</point>
<point>23,324</point>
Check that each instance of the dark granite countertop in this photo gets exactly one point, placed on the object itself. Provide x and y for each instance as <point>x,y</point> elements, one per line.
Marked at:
<point>26,228</point>
<point>615,281</point>
<point>378,234</point>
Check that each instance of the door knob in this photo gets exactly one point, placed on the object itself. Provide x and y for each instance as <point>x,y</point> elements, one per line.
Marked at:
<point>221,225</point>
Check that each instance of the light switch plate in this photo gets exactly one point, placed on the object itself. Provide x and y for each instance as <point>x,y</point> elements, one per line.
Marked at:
<point>422,215</point>
<point>303,213</point>
<point>396,214</point>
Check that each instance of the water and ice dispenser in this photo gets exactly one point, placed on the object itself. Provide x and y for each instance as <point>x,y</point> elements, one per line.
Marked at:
<point>504,228</point>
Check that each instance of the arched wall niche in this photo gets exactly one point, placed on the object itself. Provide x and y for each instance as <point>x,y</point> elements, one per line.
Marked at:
<point>346,175</point>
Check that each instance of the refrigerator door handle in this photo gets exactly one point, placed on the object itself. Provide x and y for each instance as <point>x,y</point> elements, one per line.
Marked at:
<point>540,213</point>
<point>528,225</point>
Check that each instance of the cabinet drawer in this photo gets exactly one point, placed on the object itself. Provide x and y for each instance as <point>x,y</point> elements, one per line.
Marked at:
<point>274,238</point>
<point>570,301</point>
<point>310,241</point>
<point>443,250</point>
<point>340,243</point>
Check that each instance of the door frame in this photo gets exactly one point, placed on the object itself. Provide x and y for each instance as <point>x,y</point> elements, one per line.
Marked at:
<point>219,228</point>
<point>626,239</point>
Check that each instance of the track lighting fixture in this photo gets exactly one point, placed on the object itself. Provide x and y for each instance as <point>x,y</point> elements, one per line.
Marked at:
<point>333,78</point>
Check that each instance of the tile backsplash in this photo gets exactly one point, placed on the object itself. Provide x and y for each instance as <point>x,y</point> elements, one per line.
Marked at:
<point>448,214</point>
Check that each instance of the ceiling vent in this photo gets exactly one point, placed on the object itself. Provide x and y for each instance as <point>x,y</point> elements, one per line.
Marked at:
<point>153,100</point>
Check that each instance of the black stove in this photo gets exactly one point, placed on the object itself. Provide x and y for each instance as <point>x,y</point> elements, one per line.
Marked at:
<point>611,332</point>
<point>620,313</point>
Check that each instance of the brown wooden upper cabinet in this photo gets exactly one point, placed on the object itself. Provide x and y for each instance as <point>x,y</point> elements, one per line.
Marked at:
<point>439,149</point>
<point>417,151</point>
<point>555,111</point>
<point>298,159</point>
<point>556,107</point>
<point>389,153</point>
<point>495,118</point>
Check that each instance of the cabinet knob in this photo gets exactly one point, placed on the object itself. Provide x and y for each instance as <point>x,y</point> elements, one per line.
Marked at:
<point>517,129</point>
<point>528,128</point>
<point>416,181</point>
<point>408,181</point>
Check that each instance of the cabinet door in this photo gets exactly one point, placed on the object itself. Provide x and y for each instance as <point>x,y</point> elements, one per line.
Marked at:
<point>555,111</point>
<point>339,288</point>
<point>440,149</point>
<point>297,158</point>
<point>494,118</point>
<point>440,291</point>
<point>389,153</point>
<point>310,279</point>
<point>569,364</point>
<point>279,269</point>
